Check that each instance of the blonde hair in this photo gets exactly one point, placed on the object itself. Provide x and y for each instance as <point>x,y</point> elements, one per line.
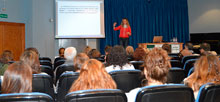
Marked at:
<point>122,24</point>
<point>129,50</point>
<point>93,76</point>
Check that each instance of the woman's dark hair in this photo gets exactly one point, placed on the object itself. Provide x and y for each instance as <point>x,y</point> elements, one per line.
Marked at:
<point>94,53</point>
<point>117,56</point>
<point>189,46</point>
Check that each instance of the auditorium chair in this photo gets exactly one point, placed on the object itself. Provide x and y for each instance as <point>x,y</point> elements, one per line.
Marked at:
<point>175,63</point>
<point>43,83</point>
<point>176,75</point>
<point>185,58</point>
<point>63,68</point>
<point>46,63</point>
<point>26,97</point>
<point>174,56</point>
<point>47,69</point>
<point>58,63</point>
<point>191,71</point>
<point>65,82</point>
<point>137,64</point>
<point>58,58</point>
<point>188,65</point>
<point>165,93</point>
<point>98,95</point>
<point>126,80</point>
<point>209,93</point>
<point>45,58</point>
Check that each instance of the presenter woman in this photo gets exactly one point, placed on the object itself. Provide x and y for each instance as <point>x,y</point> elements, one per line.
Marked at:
<point>125,32</point>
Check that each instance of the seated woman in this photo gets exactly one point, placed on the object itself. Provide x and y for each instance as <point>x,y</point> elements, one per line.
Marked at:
<point>5,58</point>
<point>207,70</point>
<point>139,54</point>
<point>117,60</point>
<point>17,78</point>
<point>32,59</point>
<point>79,60</point>
<point>156,68</point>
<point>130,52</point>
<point>187,51</point>
<point>93,76</point>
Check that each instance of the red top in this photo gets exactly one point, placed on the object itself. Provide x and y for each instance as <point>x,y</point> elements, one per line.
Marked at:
<point>123,31</point>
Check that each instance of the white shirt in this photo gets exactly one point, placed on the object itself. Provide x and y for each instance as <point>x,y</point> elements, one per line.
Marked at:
<point>131,96</point>
<point>125,67</point>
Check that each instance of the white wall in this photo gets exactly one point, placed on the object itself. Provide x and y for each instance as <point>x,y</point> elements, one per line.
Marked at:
<point>204,16</point>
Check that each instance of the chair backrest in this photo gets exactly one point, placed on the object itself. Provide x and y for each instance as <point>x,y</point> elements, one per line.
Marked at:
<point>62,68</point>
<point>65,82</point>
<point>188,65</point>
<point>58,63</point>
<point>58,58</point>
<point>165,93</point>
<point>25,97</point>
<point>127,80</point>
<point>45,58</point>
<point>175,63</point>
<point>209,93</point>
<point>98,95</point>
<point>47,69</point>
<point>137,64</point>
<point>176,75</point>
<point>185,58</point>
<point>46,63</point>
<point>43,83</point>
<point>190,71</point>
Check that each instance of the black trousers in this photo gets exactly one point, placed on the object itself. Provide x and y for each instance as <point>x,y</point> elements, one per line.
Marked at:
<point>124,42</point>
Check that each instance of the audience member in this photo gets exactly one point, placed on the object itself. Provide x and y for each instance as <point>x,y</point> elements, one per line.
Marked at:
<point>87,49</point>
<point>31,59</point>
<point>187,51</point>
<point>94,54</point>
<point>156,68</point>
<point>207,70</point>
<point>69,54</point>
<point>61,52</point>
<point>205,49</point>
<point>93,76</point>
<point>107,49</point>
<point>130,52</point>
<point>79,60</point>
<point>5,58</point>
<point>34,50</point>
<point>17,78</point>
<point>139,54</point>
<point>167,48</point>
<point>117,60</point>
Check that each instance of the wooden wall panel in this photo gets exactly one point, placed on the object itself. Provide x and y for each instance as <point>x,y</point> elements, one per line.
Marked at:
<point>13,38</point>
<point>1,36</point>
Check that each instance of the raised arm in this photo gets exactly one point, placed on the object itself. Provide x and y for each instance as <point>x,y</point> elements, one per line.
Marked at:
<point>116,28</point>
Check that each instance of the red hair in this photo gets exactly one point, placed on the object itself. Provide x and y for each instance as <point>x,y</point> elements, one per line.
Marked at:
<point>93,76</point>
<point>207,70</point>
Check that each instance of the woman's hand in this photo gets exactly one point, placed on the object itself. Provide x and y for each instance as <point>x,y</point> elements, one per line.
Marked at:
<point>114,24</point>
<point>129,33</point>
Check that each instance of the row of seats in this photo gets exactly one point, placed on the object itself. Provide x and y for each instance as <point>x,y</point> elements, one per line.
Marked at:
<point>159,93</point>
<point>126,80</point>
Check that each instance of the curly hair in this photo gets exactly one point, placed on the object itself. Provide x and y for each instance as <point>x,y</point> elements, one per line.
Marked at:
<point>157,65</point>
<point>117,56</point>
<point>6,56</point>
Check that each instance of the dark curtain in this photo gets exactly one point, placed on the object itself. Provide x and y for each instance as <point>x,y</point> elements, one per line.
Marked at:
<point>168,18</point>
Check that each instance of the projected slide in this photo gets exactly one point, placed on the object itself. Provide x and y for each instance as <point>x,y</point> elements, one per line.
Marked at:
<point>80,19</point>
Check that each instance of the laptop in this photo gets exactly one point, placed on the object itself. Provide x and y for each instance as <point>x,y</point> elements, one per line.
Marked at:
<point>157,39</point>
